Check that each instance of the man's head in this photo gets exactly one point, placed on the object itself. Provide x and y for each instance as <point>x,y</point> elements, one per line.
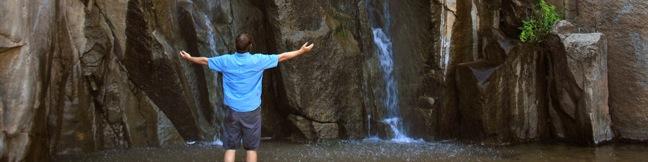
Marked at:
<point>244,42</point>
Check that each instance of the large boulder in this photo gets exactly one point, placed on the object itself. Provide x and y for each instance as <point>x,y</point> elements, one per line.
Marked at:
<point>503,103</point>
<point>177,87</point>
<point>623,23</point>
<point>417,68</point>
<point>579,86</point>
<point>494,85</point>
<point>81,76</point>
<point>313,130</point>
<point>93,103</point>
<point>325,85</point>
<point>24,43</point>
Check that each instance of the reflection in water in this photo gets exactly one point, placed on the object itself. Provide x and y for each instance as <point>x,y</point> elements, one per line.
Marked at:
<point>377,150</point>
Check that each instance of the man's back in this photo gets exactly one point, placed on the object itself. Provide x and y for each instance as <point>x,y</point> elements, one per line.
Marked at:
<point>242,78</point>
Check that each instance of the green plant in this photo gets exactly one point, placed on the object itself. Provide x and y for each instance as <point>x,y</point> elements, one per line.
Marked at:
<point>529,31</point>
<point>536,27</point>
<point>549,15</point>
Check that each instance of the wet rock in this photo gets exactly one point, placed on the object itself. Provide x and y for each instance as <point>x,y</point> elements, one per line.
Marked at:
<point>314,130</point>
<point>153,66</point>
<point>103,108</point>
<point>326,130</point>
<point>494,84</point>
<point>563,28</point>
<point>325,85</point>
<point>416,65</point>
<point>24,41</point>
<point>78,94</point>
<point>623,24</point>
<point>513,12</point>
<point>505,103</point>
<point>304,126</point>
<point>579,89</point>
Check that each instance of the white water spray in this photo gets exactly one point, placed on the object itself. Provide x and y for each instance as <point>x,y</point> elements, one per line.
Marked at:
<point>383,43</point>
<point>445,27</point>
<point>210,40</point>
<point>475,27</point>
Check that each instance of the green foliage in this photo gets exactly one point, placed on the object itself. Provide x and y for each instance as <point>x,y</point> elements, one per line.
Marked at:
<point>549,15</point>
<point>529,30</point>
<point>536,27</point>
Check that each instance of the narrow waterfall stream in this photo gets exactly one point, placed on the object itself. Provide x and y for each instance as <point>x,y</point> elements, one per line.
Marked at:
<point>212,47</point>
<point>474,17</point>
<point>447,20</point>
<point>383,44</point>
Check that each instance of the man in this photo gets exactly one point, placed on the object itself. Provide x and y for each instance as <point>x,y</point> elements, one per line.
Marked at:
<point>242,79</point>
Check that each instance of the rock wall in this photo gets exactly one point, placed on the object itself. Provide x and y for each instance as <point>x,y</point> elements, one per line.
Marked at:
<point>415,60</point>
<point>623,23</point>
<point>81,76</point>
<point>579,108</point>
<point>475,57</point>
<point>104,75</point>
<point>322,90</point>
<point>482,38</point>
<point>84,75</point>
<point>495,85</point>
<point>23,42</point>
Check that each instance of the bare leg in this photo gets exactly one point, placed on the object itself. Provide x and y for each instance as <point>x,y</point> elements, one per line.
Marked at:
<point>230,155</point>
<point>251,156</point>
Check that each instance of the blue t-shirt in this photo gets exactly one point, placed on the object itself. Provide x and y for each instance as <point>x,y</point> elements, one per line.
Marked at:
<point>242,78</point>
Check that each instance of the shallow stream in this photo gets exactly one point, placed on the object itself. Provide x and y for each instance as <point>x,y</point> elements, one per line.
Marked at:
<point>375,150</point>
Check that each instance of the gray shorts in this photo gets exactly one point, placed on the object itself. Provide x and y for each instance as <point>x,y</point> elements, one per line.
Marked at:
<point>244,126</point>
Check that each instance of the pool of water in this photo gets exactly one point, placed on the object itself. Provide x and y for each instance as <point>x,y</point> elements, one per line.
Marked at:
<point>375,150</point>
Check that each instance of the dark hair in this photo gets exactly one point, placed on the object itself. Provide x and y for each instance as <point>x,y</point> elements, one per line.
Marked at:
<point>243,42</point>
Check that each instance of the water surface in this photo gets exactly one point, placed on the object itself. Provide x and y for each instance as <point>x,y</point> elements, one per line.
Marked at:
<point>381,151</point>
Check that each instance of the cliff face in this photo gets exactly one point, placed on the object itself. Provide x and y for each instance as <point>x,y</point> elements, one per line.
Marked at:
<point>80,57</point>
<point>81,76</point>
<point>494,85</point>
<point>84,75</point>
<point>624,24</point>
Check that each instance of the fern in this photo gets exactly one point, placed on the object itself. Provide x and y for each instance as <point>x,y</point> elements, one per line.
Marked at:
<point>535,28</point>
<point>529,30</point>
<point>549,15</point>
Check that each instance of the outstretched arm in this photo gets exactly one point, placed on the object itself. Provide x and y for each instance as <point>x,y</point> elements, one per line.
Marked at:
<point>289,55</point>
<point>195,60</point>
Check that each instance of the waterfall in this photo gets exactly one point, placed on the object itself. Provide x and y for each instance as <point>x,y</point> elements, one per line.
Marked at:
<point>445,33</point>
<point>383,43</point>
<point>475,27</point>
<point>209,40</point>
<point>210,37</point>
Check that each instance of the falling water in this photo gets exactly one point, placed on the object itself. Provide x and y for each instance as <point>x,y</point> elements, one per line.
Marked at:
<point>210,41</point>
<point>210,37</point>
<point>475,28</point>
<point>383,43</point>
<point>445,27</point>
